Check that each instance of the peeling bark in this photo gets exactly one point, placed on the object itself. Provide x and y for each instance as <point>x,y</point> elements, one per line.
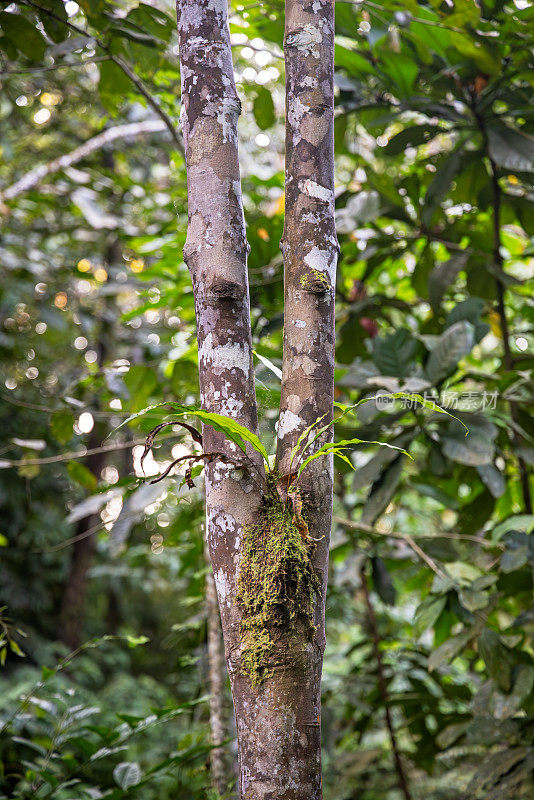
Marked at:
<point>278,723</point>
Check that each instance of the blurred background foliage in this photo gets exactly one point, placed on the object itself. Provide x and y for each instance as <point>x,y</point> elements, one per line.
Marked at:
<point>429,672</point>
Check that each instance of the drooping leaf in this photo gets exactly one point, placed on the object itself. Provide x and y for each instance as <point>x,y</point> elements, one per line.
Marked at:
<point>23,35</point>
<point>81,475</point>
<point>127,774</point>
<point>411,136</point>
<point>451,648</point>
<point>428,612</point>
<point>440,185</point>
<point>497,658</point>
<point>442,276</point>
<point>263,108</point>
<point>382,582</point>
<point>61,427</point>
<point>511,148</point>
<point>453,344</point>
<point>394,354</point>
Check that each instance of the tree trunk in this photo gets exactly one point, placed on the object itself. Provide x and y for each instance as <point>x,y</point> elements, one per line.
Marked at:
<point>278,721</point>
<point>72,612</point>
<point>217,682</point>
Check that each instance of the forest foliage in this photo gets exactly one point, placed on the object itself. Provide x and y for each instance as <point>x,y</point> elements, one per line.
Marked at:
<point>428,687</point>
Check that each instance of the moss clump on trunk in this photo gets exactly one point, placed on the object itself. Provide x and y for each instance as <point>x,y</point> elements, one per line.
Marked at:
<point>276,587</point>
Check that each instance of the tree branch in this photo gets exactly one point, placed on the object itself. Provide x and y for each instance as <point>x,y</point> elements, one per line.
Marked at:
<point>382,686</point>
<point>52,67</point>
<point>35,176</point>
<point>128,71</point>
<point>500,289</point>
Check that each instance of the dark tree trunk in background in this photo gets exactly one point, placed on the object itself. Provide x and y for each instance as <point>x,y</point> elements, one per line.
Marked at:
<point>72,613</point>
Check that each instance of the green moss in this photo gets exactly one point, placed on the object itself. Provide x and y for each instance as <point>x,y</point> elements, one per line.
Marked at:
<point>314,281</point>
<point>276,587</point>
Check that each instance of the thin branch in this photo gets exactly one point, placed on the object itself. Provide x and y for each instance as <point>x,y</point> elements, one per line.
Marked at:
<point>382,686</point>
<point>35,176</point>
<point>51,67</point>
<point>424,556</point>
<point>433,24</point>
<point>460,537</point>
<point>128,71</point>
<point>80,536</point>
<point>74,454</point>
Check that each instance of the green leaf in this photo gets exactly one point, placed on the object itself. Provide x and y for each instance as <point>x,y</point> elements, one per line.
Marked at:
<point>394,354</point>
<point>81,475</point>
<point>511,148</point>
<point>440,185</point>
<point>233,430</point>
<point>492,478</point>
<point>337,447</point>
<point>410,137</point>
<point>451,648</point>
<point>382,583</point>
<point>453,344</point>
<point>401,68</point>
<point>61,427</point>
<point>140,381</point>
<point>57,30</point>
<point>16,649</point>
<point>302,438</point>
<point>263,108</point>
<point>442,276</point>
<point>474,49</point>
<point>113,86</point>
<point>143,411</point>
<point>23,35</point>
<point>474,449</point>
<point>126,774</point>
<point>518,550</point>
<point>517,522</point>
<point>135,641</point>
<point>473,599</point>
<point>470,310</point>
<point>497,658</point>
<point>428,612</point>
<point>353,63</point>
<point>432,36</point>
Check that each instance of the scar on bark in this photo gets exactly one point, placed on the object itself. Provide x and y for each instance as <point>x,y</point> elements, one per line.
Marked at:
<point>225,290</point>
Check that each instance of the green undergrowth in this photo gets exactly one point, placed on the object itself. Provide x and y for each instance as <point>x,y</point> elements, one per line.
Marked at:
<point>276,588</point>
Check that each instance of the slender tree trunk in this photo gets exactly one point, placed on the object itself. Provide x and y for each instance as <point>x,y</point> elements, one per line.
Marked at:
<point>72,612</point>
<point>217,681</point>
<point>278,722</point>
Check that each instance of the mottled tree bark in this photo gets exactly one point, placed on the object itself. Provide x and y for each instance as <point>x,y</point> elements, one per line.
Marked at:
<point>216,679</point>
<point>310,252</point>
<point>278,723</point>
